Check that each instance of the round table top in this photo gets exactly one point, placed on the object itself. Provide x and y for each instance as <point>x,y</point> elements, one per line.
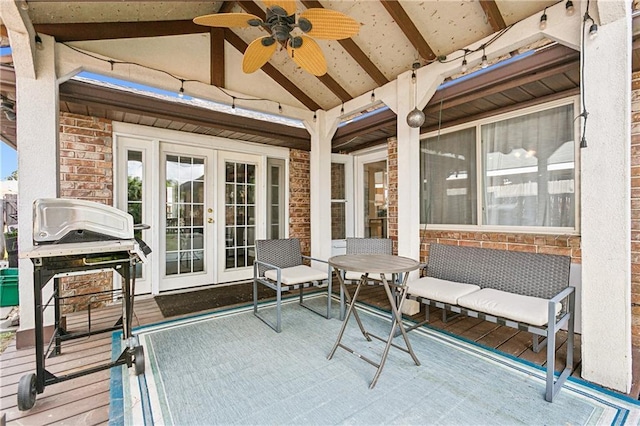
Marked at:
<point>374,263</point>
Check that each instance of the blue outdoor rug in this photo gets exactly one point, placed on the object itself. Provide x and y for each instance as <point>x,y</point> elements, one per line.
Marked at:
<point>230,368</point>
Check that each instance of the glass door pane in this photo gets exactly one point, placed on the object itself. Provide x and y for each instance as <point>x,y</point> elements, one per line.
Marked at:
<point>338,202</point>
<point>135,200</point>
<point>376,201</point>
<point>240,214</point>
<point>184,237</point>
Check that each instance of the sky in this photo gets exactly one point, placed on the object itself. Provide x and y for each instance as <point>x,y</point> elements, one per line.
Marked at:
<point>8,160</point>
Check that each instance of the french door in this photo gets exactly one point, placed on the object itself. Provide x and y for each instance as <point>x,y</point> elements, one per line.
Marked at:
<point>239,218</point>
<point>187,201</point>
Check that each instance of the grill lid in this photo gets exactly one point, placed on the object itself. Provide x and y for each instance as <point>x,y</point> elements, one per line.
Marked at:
<point>59,221</point>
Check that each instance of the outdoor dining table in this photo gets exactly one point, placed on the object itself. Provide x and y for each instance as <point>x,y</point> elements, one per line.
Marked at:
<point>376,264</point>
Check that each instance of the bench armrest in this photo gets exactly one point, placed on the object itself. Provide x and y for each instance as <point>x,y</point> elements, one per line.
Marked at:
<point>562,295</point>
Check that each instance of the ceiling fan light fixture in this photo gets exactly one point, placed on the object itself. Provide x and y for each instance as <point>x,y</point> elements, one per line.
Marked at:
<point>295,42</point>
<point>304,25</point>
<point>267,41</point>
<point>278,11</point>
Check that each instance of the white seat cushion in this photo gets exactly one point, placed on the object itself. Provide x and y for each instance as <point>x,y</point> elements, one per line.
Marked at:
<point>527,309</point>
<point>355,276</point>
<point>296,275</point>
<point>440,290</point>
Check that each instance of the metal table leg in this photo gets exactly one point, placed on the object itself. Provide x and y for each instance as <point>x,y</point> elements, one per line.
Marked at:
<point>350,309</point>
<point>397,320</point>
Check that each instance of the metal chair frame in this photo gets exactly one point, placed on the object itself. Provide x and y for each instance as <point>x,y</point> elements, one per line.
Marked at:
<point>280,254</point>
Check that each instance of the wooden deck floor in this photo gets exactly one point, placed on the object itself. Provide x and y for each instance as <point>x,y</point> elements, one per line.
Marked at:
<point>85,400</point>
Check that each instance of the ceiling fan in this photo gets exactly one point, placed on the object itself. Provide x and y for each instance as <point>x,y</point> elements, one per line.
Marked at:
<point>280,21</point>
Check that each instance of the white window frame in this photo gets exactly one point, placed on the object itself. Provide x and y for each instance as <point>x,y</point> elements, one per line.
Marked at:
<point>573,100</point>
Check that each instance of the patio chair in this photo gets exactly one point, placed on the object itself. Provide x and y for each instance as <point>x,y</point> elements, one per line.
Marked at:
<point>279,265</point>
<point>364,246</point>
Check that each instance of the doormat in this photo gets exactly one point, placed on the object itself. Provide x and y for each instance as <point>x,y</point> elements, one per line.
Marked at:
<point>215,297</point>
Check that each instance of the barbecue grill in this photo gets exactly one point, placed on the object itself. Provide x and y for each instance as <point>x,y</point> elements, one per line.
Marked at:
<point>70,237</point>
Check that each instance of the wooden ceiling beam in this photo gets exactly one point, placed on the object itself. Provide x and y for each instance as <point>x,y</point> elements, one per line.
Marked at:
<point>112,30</point>
<point>493,14</point>
<point>216,57</point>
<point>410,30</point>
<point>354,50</point>
<point>118,100</point>
<point>272,72</point>
<point>327,80</point>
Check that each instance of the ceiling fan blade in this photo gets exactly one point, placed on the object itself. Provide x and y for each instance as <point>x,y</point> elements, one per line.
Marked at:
<point>226,20</point>
<point>329,24</point>
<point>288,5</point>
<point>257,54</point>
<point>308,55</point>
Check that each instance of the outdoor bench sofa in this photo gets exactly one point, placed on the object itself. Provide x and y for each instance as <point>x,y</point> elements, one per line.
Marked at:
<point>526,291</point>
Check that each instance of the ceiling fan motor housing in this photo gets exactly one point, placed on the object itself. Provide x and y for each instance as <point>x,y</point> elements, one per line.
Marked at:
<point>279,25</point>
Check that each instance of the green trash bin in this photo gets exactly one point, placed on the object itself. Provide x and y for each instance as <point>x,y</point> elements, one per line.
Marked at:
<point>9,287</point>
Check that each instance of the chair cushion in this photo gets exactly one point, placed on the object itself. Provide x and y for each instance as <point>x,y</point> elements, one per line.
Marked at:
<point>296,275</point>
<point>440,290</point>
<point>355,276</point>
<point>527,309</point>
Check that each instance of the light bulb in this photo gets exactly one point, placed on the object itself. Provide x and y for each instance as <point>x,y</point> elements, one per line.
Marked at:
<point>543,21</point>
<point>593,31</point>
<point>569,8</point>
<point>181,93</point>
<point>464,66</point>
<point>39,45</point>
<point>484,62</point>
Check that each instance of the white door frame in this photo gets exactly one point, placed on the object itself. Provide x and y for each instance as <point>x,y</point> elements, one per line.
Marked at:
<point>359,162</point>
<point>147,283</point>
<point>137,137</point>
<point>339,246</point>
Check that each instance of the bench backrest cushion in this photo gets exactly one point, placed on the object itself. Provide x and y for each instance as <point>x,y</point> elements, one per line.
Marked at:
<point>283,253</point>
<point>529,274</point>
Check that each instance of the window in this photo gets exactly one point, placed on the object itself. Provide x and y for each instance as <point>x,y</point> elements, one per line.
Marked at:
<point>135,175</point>
<point>338,201</point>
<point>525,166</point>
<point>275,198</point>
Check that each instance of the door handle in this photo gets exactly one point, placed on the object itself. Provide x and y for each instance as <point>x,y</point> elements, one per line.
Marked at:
<point>210,220</point>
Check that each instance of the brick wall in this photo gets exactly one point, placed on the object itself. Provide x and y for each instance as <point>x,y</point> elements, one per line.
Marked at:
<point>567,245</point>
<point>300,198</point>
<point>392,182</point>
<point>635,209</point>
<point>86,173</point>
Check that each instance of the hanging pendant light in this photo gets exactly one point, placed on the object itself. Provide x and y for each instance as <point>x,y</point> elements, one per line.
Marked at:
<point>415,118</point>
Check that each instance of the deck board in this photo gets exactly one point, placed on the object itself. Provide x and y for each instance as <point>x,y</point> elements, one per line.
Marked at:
<point>85,400</point>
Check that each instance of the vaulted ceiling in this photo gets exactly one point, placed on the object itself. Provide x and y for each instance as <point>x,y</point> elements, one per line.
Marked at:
<point>393,36</point>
